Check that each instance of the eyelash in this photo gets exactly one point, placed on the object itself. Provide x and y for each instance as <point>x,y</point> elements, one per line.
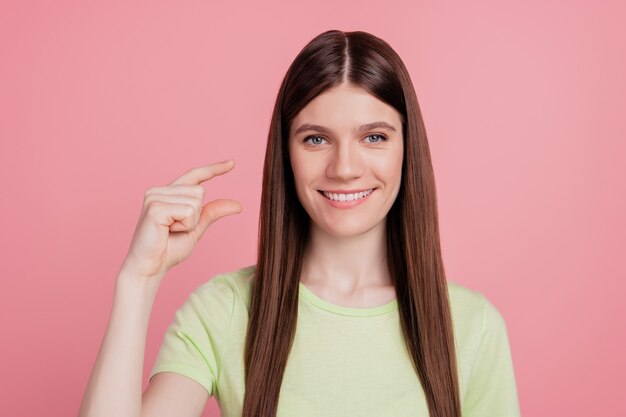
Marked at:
<point>383,139</point>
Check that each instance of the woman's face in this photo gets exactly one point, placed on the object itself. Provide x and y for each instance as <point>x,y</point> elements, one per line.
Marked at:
<point>346,153</point>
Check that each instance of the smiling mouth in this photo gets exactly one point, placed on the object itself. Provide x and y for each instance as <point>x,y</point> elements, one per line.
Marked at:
<point>346,197</point>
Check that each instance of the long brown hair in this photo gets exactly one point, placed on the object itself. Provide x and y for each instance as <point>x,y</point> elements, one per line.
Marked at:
<point>413,247</point>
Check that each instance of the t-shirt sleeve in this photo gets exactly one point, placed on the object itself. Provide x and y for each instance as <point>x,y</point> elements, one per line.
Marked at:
<point>491,390</point>
<point>194,343</point>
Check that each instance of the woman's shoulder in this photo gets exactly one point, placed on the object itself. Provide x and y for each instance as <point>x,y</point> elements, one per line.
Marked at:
<point>233,286</point>
<point>465,298</point>
<point>472,311</point>
<point>485,363</point>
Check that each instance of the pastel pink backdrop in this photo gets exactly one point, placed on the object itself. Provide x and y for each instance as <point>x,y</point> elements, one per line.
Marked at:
<point>524,104</point>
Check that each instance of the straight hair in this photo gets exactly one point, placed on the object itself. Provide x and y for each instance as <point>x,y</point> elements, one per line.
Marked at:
<point>413,244</point>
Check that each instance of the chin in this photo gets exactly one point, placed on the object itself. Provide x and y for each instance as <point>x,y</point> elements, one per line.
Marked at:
<point>348,230</point>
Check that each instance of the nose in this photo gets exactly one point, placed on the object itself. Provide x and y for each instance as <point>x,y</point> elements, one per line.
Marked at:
<point>345,162</point>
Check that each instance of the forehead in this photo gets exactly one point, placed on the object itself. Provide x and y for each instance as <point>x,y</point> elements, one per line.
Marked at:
<point>344,107</point>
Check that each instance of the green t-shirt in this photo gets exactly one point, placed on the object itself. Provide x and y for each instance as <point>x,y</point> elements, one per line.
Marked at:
<point>345,361</point>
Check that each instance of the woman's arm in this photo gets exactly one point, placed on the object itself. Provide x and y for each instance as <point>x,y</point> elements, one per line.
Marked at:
<point>172,220</point>
<point>171,394</point>
<point>114,388</point>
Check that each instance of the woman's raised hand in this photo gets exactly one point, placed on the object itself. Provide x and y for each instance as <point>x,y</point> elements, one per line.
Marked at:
<point>173,219</point>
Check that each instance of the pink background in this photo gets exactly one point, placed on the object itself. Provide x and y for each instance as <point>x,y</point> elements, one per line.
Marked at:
<point>524,103</point>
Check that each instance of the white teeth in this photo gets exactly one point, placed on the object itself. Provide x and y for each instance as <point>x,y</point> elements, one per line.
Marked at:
<point>347,197</point>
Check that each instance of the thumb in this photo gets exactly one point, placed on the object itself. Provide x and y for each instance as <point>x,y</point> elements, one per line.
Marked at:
<point>215,210</point>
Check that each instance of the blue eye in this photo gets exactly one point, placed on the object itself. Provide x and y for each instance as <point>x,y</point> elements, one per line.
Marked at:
<point>378,138</point>
<point>314,140</point>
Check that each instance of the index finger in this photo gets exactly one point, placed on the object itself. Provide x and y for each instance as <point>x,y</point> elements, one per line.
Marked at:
<point>198,175</point>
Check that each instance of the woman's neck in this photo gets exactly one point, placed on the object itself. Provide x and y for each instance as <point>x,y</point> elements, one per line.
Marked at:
<point>346,265</point>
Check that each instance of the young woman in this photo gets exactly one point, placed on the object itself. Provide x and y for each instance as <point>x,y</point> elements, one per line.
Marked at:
<point>347,311</point>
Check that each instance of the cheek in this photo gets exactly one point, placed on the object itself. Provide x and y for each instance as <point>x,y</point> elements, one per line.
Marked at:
<point>393,174</point>
<point>389,169</point>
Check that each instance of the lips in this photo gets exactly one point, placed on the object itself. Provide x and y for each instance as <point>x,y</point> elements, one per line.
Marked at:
<point>346,195</point>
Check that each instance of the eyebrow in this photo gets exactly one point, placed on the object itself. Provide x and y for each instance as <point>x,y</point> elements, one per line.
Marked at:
<point>363,128</point>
